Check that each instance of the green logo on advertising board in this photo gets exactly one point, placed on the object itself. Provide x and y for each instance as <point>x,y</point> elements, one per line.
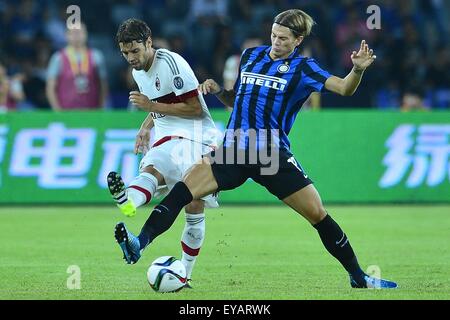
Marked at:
<point>418,156</point>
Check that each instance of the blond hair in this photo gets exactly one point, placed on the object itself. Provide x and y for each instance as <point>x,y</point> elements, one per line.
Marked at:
<point>298,21</point>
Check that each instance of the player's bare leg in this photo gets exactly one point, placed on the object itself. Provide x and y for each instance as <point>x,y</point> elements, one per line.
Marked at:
<point>200,179</point>
<point>307,202</point>
<point>193,236</point>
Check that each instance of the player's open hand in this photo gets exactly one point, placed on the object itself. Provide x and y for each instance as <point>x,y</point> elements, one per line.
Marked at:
<point>209,86</point>
<point>141,101</point>
<point>364,58</point>
<point>142,141</point>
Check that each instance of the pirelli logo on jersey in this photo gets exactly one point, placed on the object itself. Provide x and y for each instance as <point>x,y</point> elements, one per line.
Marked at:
<point>263,81</point>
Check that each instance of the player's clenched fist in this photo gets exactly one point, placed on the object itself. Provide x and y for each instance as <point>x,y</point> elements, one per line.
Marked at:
<point>209,86</point>
<point>141,101</point>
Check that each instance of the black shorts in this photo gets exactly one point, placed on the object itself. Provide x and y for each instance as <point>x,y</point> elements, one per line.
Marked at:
<point>282,177</point>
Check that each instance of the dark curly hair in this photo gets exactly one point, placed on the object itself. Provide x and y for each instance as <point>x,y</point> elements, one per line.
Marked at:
<point>133,30</point>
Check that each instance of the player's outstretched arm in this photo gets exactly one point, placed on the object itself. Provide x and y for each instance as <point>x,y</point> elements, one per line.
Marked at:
<point>361,61</point>
<point>225,96</point>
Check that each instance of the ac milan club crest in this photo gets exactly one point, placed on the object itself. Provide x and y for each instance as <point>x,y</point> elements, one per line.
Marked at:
<point>158,84</point>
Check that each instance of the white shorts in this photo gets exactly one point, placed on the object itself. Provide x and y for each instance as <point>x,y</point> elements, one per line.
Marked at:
<point>172,159</point>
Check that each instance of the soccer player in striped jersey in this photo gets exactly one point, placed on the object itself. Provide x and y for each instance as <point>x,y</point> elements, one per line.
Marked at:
<point>273,83</point>
<point>184,131</point>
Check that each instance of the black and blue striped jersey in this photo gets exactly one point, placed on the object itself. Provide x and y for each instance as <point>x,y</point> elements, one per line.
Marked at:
<point>269,94</point>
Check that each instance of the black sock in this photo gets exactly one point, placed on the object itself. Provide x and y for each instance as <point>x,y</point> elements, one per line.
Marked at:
<point>165,213</point>
<point>336,242</point>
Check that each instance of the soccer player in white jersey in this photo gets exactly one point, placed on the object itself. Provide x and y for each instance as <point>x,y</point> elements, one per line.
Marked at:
<point>183,128</point>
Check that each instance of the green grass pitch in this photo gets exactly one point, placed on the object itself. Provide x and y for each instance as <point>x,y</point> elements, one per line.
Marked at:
<point>249,253</point>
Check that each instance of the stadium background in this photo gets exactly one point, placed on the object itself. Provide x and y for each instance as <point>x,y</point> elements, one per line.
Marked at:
<point>389,144</point>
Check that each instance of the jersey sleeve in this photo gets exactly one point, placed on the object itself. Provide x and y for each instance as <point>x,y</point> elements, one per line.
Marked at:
<point>183,80</point>
<point>314,76</point>
<point>54,66</point>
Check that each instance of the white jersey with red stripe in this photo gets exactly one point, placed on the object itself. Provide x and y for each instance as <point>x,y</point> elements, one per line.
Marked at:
<point>169,80</point>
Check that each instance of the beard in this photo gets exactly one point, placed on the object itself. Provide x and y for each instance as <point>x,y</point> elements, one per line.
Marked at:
<point>137,66</point>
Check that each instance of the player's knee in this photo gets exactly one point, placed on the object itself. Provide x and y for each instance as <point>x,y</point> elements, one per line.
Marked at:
<point>196,206</point>
<point>200,181</point>
<point>151,170</point>
<point>316,213</point>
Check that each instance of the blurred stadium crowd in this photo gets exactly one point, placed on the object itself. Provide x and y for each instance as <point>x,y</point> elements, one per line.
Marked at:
<point>412,46</point>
